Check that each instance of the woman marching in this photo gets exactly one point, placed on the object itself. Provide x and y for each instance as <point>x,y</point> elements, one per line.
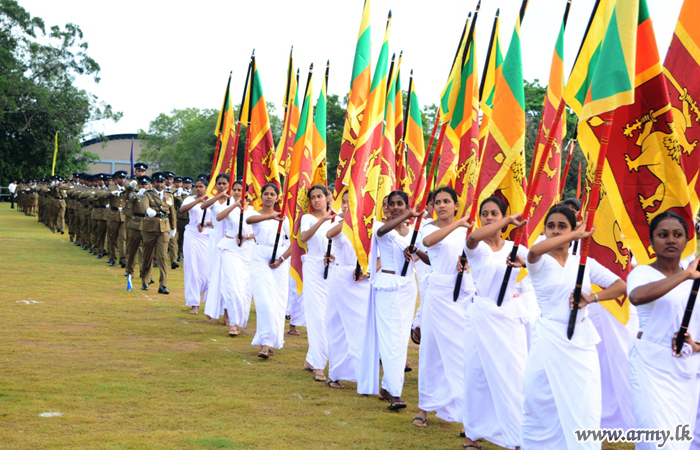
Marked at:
<point>494,361</point>
<point>196,247</point>
<point>346,307</point>
<point>236,252</point>
<point>215,307</point>
<point>313,229</point>
<point>554,403</point>
<point>665,389</point>
<point>391,307</point>
<point>441,370</point>
<point>270,280</point>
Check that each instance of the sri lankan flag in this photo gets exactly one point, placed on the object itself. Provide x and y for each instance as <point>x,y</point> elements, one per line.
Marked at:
<point>548,187</point>
<point>319,142</point>
<point>448,97</point>
<point>226,136</point>
<point>387,161</point>
<point>262,165</point>
<point>365,167</point>
<point>682,71</point>
<point>357,101</point>
<point>291,118</point>
<point>400,158</point>
<point>414,180</point>
<point>487,90</point>
<point>300,179</point>
<point>503,166</point>
<point>643,173</point>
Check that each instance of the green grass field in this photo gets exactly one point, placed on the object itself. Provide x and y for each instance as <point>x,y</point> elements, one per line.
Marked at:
<point>134,370</point>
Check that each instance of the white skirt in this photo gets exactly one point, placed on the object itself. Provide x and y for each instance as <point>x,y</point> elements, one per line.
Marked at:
<point>236,289</point>
<point>315,291</point>
<point>215,303</point>
<point>270,289</point>
<point>196,266</point>
<point>346,315</point>
<point>440,369</point>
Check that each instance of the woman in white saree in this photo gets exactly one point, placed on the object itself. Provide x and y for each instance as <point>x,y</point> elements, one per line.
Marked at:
<point>665,388</point>
<point>270,280</point>
<point>195,247</point>
<point>440,373</point>
<point>215,305</point>
<point>494,361</point>
<point>562,388</point>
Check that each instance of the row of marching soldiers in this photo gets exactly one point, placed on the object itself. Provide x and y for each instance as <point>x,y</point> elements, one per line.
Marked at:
<point>104,215</point>
<point>508,373</point>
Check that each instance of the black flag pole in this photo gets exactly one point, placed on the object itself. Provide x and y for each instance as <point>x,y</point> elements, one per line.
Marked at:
<point>680,338</point>
<point>246,157</point>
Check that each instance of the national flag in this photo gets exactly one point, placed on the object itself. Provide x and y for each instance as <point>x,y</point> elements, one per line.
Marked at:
<point>502,162</point>
<point>682,71</point>
<point>398,127</point>
<point>548,187</point>
<point>300,173</point>
<point>320,165</point>
<point>415,179</point>
<point>226,141</point>
<point>360,83</point>
<point>448,97</point>
<point>487,89</point>
<point>643,175</point>
<point>387,161</point>
<point>291,117</point>
<point>364,167</point>
<point>595,88</point>
<point>262,165</point>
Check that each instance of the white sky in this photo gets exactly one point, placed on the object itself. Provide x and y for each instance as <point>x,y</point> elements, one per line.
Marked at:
<point>157,56</point>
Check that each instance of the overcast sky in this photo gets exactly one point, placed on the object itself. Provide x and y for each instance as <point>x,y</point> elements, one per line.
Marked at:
<point>157,56</point>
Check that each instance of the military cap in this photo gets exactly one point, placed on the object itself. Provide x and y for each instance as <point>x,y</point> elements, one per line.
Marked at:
<point>187,180</point>
<point>99,176</point>
<point>143,179</point>
<point>119,174</point>
<point>141,166</point>
<point>169,174</point>
<point>158,176</point>
<point>107,176</point>
<point>178,178</point>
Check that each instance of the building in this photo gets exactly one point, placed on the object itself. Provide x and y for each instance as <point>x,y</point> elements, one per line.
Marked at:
<point>114,152</point>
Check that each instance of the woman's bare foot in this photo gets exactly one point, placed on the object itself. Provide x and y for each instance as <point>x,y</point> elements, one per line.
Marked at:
<point>319,376</point>
<point>293,330</point>
<point>308,367</point>
<point>194,310</point>
<point>226,321</point>
<point>233,331</point>
<point>468,443</point>
<point>421,419</point>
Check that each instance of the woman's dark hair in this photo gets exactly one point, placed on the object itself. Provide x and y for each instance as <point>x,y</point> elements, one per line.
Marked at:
<point>497,201</point>
<point>201,180</point>
<point>431,197</point>
<point>401,194</point>
<point>223,175</point>
<point>317,186</point>
<point>237,182</point>
<point>572,202</point>
<point>447,189</point>
<point>666,215</point>
<point>562,209</point>
<point>270,185</point>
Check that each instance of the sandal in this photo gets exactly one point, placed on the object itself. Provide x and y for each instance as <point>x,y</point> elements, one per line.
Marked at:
<point>320,378</point>
<point>408,367</point>
<point>270,352</point>
<point>415,335</point>
<point>396,405</point>
<point>308,367</point>
<point>421,422</point>
<point>477,447</point>
<point>263,355</point>
<point>338,384</point>
<point>233,333</point>
<point>293,333</point>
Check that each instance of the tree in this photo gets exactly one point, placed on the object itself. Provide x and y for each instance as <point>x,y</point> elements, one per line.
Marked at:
<point>38,97</point>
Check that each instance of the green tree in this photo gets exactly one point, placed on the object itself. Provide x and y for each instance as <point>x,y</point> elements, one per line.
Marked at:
<point>38,97</point>
<point>335,121</point>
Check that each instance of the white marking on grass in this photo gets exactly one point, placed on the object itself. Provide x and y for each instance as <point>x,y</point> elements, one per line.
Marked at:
<point>185,322</point>
<point>51,414</point>
<point>28,302</point>
<point>298,396</point>
<point>214,340</point>
<point>328,413</point>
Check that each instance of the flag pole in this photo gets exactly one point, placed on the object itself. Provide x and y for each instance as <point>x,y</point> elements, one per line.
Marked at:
<point>246,156</point>
<point>238,129</point>
<point>593,200</point>
<point>680,338</point>
<point>286,181</point>
<point>532,190</point>
<point>218,136</point>
<point>565,173</point>
<point>402,144</point>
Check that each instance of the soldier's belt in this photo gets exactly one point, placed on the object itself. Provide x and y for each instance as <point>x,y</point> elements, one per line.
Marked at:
<point>161,215</point>
<point>114,208</point>
<point>102,206</point>
<point>139,215</point>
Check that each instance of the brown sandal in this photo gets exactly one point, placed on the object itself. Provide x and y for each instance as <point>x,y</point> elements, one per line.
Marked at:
<point>338,384</point>
<point>263,355</point>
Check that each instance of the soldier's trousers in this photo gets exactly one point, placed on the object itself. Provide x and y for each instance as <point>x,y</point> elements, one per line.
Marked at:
<point>155,246</point>
<point>101,235</point>
<point>133,246</point>
<point>116,232</point>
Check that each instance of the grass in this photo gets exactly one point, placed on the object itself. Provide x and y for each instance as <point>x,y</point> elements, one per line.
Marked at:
<point>134,370</point>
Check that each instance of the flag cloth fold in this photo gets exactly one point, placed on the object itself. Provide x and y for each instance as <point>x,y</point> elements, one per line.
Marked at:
<point>364,167</point>
<point>386,181</point>
<point>415,178</point>
<point>502,162</point>
<point>360,83</point>
<point>262,164</point>
<point>547,194</point>
<point>682,71</point>
<point>300,180</point>
<point>226,136</point>
<point>448,97</point>
<point>291,119</point>
<point>487,89</point>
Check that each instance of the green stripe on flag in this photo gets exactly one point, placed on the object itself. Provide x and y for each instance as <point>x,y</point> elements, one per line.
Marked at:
<point>362,54</point>
<point>513,69</point>
<point>611,77</point>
